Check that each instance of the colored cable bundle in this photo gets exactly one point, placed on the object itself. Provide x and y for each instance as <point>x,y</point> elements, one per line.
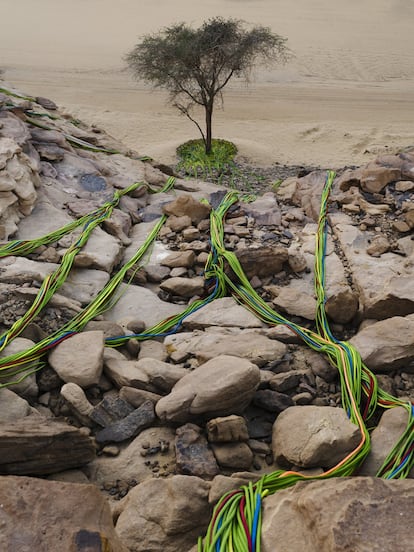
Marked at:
<point>235,524</point>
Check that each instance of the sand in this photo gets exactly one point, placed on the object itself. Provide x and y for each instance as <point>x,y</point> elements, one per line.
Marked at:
<point>347,96</point>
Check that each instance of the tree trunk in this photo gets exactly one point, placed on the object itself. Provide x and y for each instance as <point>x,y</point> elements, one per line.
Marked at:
<point>209,117</point>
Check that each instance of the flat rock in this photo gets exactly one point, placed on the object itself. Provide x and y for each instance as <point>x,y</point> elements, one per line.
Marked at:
<point>132,463</point>
<point>222,312</point>
<point>138,234</point>
<point>138,301</point>
<point>81,517</point>
<point>313,436</point>
<point>149,526</point>
<point>32,447</point>
<point>387,344</point>
<point>317,515</point>
<point>46,217</point>
<point>79,359</point>
<point>222,386</point>
<point>149,374</point>
<point>384,284</point>
<point>250,345</point>
<point>102,251</point>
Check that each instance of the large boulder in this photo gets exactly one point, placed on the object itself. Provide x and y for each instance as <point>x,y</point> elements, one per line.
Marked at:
<point>339,515</point>
<point>222,386</point>
<point>50,515</point>
<point>39,446</point>
<point>313,436</point>
<point>387,345</point>
<point>165,514</point>
<point>79,359</point>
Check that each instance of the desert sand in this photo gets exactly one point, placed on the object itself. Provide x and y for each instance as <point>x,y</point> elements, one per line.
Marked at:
<point>347,96</point>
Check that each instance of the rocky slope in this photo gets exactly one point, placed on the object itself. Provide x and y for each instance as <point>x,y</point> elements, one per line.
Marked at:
<point>187,416</point>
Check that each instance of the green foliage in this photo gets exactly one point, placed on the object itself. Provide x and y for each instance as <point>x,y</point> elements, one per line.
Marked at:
<point>194,160</point>
<point>194,65</point>
<point>218,166</point>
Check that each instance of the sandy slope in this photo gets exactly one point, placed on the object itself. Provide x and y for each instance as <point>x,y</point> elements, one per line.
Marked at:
<point>347,95</point>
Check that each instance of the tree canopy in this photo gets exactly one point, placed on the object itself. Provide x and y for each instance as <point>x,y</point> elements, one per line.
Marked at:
<point>194,65</point>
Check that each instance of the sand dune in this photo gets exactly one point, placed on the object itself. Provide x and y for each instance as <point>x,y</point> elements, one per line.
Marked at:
<point>346,96</point>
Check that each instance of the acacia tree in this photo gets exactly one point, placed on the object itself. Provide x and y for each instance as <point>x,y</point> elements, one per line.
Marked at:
<point>194,65</point>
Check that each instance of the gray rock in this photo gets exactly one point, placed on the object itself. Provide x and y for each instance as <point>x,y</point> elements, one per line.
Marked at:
<point>153,349</point>
<point>317,515</point>
<point>128,427</point>
<point>385,284</point>
<point>313,436</point>
<point>273,401</point>
<point>285,380</point>
<point>194,456</point>
<point>110,410</point>
<point>222,386</point>
<point>102,251</point>
<point>79,359</point>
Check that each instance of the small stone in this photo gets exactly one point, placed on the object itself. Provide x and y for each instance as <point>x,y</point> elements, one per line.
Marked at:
<point>233,455</point>
<point>128,427</point>
<point>229,428</point>
<point>378,246</point>
<point>179,259</point>
<point>272,401</point>
<point>111,409</point>
<point>194,457</point>
<point>400,226</point>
